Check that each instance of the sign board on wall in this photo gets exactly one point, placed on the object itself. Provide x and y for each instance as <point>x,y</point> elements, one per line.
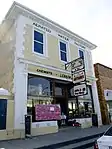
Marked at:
<point>80,90</point>
<point>47,112</point>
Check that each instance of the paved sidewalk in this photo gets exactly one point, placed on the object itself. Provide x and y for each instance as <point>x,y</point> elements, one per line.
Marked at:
<point>65,134</point>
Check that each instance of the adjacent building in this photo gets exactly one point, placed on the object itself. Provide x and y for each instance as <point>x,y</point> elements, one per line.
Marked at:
<point>104,85</point>
<point>33,54</point>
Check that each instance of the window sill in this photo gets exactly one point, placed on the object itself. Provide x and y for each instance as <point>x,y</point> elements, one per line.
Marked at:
<point>65,62</point>
<point>40,55</point>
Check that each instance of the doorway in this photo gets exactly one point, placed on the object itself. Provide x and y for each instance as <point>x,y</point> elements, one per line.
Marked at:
<point>3,113</point>
<point>63,104</point>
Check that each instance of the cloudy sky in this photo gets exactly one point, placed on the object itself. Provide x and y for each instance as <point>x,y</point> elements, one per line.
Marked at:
<point>91,19</point>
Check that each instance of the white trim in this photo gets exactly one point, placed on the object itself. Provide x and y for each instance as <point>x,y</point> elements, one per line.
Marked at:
<point>44,42</point>
<point>4,92</point>
<point>81,49</point>
<point>49,76</point>
<point>44,66</point>
<point>21,60</point>
<point>67,50</point>
<point>44,124</point>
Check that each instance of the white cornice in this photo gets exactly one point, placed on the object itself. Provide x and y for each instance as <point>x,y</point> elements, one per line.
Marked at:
<point>17,9</point>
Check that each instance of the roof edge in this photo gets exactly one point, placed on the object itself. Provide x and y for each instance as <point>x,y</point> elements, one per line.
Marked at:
<point>50,21</point>
<point>96,64</point>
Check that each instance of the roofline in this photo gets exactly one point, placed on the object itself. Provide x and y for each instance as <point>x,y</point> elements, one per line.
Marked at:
<point>96,64</point>
<point>50,21</point>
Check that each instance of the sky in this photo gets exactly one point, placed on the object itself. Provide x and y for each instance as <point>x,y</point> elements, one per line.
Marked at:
<point>91,19</point>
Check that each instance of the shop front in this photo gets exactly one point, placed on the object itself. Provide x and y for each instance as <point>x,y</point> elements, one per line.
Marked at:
<point>46,91</point>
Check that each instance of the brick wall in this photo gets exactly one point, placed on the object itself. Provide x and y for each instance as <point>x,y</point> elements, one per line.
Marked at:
<point>104,75</point>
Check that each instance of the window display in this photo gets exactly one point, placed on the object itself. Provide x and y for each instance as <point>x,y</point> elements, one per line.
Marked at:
<point>80,107</point>
<point>38,86</point>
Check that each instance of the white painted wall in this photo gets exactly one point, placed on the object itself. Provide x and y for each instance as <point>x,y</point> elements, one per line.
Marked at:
<point>44,124</point>
<point>96,103</point>
<point>20,96</point>
<point>90,68</point>
<point>20,77</point>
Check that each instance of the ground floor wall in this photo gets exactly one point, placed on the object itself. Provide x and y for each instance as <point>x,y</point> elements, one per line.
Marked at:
<point>7,130</point>
<point>20,97</point>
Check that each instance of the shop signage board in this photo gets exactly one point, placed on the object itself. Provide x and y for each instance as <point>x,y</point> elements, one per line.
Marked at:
<point>80,90</point>
<point>79,76</point>
<point>77,65</point>
<point>47,112</point>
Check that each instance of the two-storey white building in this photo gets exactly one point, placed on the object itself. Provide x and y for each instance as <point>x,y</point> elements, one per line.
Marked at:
<point>33,54</point>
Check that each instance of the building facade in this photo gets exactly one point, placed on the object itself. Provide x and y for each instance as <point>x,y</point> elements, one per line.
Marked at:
<point>104,85</point>
<point>35,50</point>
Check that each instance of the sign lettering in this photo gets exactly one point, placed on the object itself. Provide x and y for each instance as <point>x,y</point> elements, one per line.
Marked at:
<point>42,27</point>
<point>80,90</point>
<point>61,75</point>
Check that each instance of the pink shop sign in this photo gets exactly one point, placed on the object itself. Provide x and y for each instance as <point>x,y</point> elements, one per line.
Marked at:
<point>47,112</point>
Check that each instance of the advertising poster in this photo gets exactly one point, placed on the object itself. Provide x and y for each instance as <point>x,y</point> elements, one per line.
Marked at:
<point>47,112</point>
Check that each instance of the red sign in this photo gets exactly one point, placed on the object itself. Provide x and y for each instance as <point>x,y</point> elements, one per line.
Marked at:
<point>47,112</point>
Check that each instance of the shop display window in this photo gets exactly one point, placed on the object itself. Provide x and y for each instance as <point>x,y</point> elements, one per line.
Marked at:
<point>38,86</point>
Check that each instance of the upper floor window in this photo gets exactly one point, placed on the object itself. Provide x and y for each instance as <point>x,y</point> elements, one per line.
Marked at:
<point>81,53</point>
<point>38,42</point>
<point>63,51</point>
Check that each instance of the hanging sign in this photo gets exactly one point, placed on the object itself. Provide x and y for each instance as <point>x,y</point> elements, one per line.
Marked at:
<point>79,77</point>
<point>77,65</point>
<point>80,90</point>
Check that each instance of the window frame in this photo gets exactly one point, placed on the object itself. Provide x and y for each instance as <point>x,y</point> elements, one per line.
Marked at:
<point>80,49</point>
<point>67,50</point>
<point>44,43</point>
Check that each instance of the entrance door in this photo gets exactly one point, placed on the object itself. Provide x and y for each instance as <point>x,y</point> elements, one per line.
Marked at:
<point>3,113</point>
<point>63,105</point>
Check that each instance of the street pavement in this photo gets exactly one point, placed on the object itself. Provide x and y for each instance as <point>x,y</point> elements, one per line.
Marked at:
<point>65,134</point>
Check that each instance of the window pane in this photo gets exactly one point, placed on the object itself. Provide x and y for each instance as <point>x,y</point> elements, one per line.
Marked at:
<point>38,86</point>
<point>63,56</point>
<point>58,91</point>
<point>38,36</point>
<point>81,53</point>
<point>62,46</point>
<point>38,47</point>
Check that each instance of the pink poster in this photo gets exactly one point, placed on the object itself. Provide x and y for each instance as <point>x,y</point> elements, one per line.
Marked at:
<point>47,112</point>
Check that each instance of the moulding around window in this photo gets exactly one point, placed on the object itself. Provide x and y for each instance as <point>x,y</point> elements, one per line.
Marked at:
<point>45,52</point>
<point>67,47</point>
